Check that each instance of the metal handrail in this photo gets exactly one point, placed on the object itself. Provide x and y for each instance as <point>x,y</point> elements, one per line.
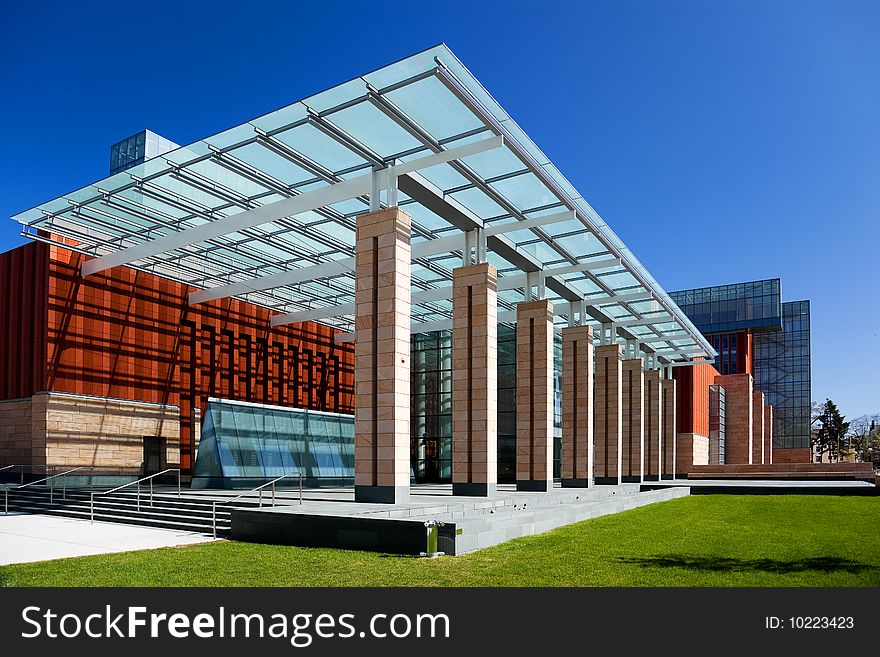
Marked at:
<point>132,483</point>
<point>254,490</point>
<point>51,479</point>
<point>6,467</point>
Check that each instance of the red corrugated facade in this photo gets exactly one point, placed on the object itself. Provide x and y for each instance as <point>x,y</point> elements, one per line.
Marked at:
<point>24,276</point>
<point>692,393</point>
<point>132,335</point>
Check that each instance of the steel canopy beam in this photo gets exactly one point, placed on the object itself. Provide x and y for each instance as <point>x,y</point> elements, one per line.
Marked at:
<point>311,200</point>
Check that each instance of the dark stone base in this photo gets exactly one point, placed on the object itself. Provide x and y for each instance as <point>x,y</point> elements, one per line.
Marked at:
<point>652,477</point>
<point>607,481</point>
<point>382,494</point>
<point>667,476</point>
<point>534,485</point>
<point>631,479</point>
<point>474,490</point>
<point>403,536</point>
<point>576,483</point>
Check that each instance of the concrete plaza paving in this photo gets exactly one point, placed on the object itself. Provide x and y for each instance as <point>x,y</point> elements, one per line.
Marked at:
<point>27,538</point>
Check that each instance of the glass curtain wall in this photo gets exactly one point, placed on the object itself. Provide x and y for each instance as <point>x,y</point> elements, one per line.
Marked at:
<point>244,445</point>
<point>736,307</point>
<point>782,373</point>
<point>431,414</point>
<point>431,437</point>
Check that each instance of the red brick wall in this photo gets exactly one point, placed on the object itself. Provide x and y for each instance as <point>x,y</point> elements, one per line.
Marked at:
<point>798,455</point>
<point>693,397</point>
<point>132,335</point>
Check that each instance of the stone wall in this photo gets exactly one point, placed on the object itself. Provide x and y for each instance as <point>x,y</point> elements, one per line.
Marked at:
<point>15,432</point>
<point>65,430</point>
<point>738,417</point>
<point>690,449</point>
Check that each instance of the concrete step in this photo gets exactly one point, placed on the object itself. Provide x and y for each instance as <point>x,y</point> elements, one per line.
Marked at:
<point>478,533</point>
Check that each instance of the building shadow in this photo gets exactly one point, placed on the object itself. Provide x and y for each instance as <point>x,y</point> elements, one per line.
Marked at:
<point>732,565</point>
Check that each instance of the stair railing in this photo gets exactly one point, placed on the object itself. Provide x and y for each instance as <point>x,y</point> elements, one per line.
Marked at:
<point>138,484</point>
<point>51,480</point>
<point>254,490</point>
<point>9,467</point>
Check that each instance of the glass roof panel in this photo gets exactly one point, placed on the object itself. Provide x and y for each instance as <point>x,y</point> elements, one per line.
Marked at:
<point>289,151</point>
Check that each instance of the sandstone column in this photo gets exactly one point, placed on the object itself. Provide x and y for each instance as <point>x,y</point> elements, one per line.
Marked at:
<point>608,421</point>
<point>768,434</point>
<point>382,356</point>
<point>670,428</point>
<point>653,424</point>
<point>474,380</point>
<point>738,418</point>
<point>633,418</point>
<point>758,428</point>
<point>534,395</point>
<point>577,406</point>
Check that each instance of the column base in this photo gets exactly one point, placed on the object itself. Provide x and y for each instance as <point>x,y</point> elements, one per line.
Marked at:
<point>534,485</point>
<point>649,477</point>
<point>631,479</point>
<point>576,483</point>
<point>474,490</point>
<point>607,481</point>
<point>382,494</point>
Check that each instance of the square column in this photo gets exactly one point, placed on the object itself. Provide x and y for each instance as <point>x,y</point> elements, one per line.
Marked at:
<point>633,421</point>
<point>474,380</point>
<point>534,395</point>
<point>577,406</point>
<point>669,429</point>
<point>382,357</point>
<point>738,418</point>
<point>653,425</point>
<point>608,422</point>
<point>768,434</point>
<point>758,428</point>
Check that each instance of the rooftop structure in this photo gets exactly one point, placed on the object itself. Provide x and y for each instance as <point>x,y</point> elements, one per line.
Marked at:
<point>265,211</point>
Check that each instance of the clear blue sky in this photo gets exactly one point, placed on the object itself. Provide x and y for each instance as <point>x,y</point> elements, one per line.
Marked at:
<point>723,141</point>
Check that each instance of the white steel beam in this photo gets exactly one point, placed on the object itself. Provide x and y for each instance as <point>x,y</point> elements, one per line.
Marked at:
<point>645,321</point>
<point>663,338</point>
<point>619,298</point>
<point>514,281</point>
<point>311,200</point>
<point>533,222</point>
<point>316,272</point>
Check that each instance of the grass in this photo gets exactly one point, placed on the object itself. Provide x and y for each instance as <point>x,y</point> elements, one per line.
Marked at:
<point>693,541</point>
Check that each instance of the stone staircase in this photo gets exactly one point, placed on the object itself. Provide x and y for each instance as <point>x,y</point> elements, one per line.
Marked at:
<point>168,511</point>
<point>469,523</point>
<point>475,532</point>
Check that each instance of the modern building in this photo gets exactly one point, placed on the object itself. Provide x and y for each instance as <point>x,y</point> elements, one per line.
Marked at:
<point>137,149</point>
<point>757,333</point>
<point>395,248</point>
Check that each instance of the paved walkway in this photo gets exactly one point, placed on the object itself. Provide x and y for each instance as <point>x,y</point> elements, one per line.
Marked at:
<point>26,537</point>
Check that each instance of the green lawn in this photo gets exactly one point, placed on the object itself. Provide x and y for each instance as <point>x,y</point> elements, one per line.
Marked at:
<point>710,540</point>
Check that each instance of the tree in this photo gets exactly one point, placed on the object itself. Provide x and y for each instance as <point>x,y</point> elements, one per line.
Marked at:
<point>831,434</point>
<point>864,436</point>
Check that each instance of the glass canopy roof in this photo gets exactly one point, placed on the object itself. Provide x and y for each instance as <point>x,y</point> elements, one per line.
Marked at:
<point>424,104</point>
